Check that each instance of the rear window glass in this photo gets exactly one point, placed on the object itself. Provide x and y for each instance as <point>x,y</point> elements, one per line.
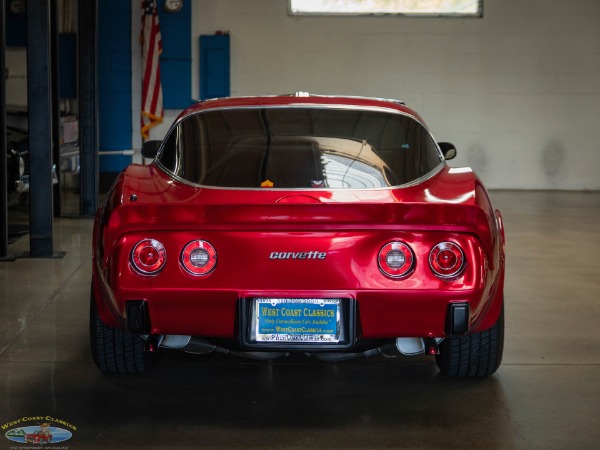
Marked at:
<point>294,148</point>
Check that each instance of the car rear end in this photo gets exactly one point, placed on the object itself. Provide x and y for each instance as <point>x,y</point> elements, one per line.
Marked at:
<point>322,229</point>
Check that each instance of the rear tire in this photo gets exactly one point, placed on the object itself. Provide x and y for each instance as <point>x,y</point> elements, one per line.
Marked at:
<point>115,350</point>
<point>476,355</point>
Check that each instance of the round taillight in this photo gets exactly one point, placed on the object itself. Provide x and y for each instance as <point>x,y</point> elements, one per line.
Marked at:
<point>447,260</point>
<point>148,256</point>
<point>199,258</point>
<point>396,259</point>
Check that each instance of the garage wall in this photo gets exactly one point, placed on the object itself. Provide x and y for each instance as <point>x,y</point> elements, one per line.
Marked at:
<point>517,91</point>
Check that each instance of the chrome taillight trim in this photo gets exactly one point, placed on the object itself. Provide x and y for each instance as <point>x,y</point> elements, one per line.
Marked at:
<point>138,265</point>
<point>447,245</point>
<point>208,268</point>
<point>410,259</point>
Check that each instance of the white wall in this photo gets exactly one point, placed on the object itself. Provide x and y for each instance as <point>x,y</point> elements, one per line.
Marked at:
<point>517,91</point>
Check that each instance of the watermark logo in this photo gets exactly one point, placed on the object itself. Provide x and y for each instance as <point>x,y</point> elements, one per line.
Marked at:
<point>38,431</point>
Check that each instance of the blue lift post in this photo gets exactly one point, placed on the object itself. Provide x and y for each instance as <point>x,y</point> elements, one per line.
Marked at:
<point>39,104</point>
<point>41,135</point>
<point>88,106</point>
<point>55,105</point>
<point>4,255</point>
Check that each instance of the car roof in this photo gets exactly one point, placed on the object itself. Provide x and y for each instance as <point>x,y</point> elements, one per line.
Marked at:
<point>301,99</point>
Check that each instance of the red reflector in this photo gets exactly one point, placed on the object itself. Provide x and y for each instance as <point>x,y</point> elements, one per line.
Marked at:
<point>199,258</point>
<point>447,260</point>
<point>148,256</point>
<point>396,259</point>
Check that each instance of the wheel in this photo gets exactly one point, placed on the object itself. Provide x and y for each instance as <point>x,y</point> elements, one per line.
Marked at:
<point>476,355</point>
<point>115,350</point>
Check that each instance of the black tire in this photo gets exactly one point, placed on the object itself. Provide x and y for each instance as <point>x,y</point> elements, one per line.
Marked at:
<point>476,355</point>
<point>115,350</point>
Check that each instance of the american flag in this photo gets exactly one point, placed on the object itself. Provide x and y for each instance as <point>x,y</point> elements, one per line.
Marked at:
<point>152,98</point>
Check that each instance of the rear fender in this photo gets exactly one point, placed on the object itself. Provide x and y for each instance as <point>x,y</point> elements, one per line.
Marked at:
<point>103,308</point>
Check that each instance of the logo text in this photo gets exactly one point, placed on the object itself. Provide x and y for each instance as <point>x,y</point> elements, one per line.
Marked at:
<point>298,255</point>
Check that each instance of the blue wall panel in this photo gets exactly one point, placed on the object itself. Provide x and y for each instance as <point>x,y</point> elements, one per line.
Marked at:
<point>177,83</point>
<point>114,72</point>
<point>114,83</point>
<point>214,66</point>
<point>176,58</point>
<point>113,163</point>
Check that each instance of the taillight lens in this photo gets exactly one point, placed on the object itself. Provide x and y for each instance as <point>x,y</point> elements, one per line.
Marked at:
<point>396,259</point>
<point>199,258</point>
<point>148,256</point>
<point>447,260</point>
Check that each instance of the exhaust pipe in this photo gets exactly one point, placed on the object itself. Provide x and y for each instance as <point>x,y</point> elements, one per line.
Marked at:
<point>415,346</point>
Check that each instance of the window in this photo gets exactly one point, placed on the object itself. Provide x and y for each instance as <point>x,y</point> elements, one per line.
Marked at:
<point>299,148</point>
<point>461,8</point>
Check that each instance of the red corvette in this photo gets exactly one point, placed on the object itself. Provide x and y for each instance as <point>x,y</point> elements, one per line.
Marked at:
<point>329,226</point>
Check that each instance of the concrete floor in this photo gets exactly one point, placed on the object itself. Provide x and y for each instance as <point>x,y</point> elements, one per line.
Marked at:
<point>545,395</point>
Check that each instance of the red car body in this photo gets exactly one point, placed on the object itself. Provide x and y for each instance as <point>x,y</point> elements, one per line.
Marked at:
<point>38,438</point>
<point>294,243</point>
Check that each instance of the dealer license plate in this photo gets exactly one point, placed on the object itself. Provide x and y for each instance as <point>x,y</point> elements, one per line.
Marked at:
<point>297,320</point>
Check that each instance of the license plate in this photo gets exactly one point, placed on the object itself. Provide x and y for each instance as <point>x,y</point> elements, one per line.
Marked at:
<point>297,320</point>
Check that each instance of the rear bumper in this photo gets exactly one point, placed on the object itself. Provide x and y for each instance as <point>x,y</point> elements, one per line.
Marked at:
<point>379,314</point>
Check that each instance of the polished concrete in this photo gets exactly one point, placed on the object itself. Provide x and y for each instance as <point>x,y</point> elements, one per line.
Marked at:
<point>545,395</point>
